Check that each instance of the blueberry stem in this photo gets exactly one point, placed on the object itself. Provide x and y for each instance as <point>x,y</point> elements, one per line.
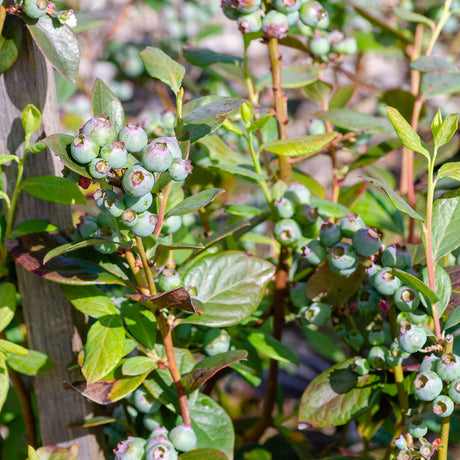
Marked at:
<point>161,211</point>
<point>445,421</point>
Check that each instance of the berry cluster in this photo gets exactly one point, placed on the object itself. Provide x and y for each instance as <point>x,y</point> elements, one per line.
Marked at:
<point>309,17</point>
<point>37,8</point>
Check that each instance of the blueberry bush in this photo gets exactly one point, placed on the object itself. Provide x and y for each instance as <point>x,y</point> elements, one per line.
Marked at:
<point>224,240</point>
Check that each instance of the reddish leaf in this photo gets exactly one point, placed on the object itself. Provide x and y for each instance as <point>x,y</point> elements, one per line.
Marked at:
<point>177,298</point>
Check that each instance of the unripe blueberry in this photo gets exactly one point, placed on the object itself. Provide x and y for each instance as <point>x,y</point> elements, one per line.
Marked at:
<point>347,46</point>
<point>360,366</point>
<point>172,224</point>
<point>316,127</point>
<point>396,256</point>
<point>105,219</point>
<point>354,339</point>
<point>145,402</point>
<point>249,23</point>
<point>376,357</point>
<point>416,426</point>
<point>319,45</point>
<point>114,205</point>
<point>172,144</point>
<point>160,450</point>
<point>292,18</point>
<point>216,341</point>
<point>87,226</point>
<point>156,156</point>
<point>247,6</point>
<point>330,234</point>
<point>428,363</point>
<point>137,181</point>
<point>131,448</point>
<point>169,280</point>
<point>298,296</point>
<point>376,335</point>
<point>99,196</point>
<point>350,224</point>
<point>406,299</point>
<point>101,129</point>
<point>443,406</point>
<point>427,386</point>
<point>129,217</point>
<point>385,282</point>
<point>134,137</point>
<point>180,169</point>
<point>312,13</point>
<point>448,367</point>
<point>275,24</point>
<point>138,203</point>
<point>284,208</point>
<point>317,313</point>
<point>306,215</point>
<point>106,248</point>
<point>287,6</point>
<point>366,242</point>
<point>230,10</point>
<point>454,391</point>
<point>84,149</point>
<point>35,8</point>
<point>341,256</point>
<point>145,225</point>
<point>411,338</point>
<point>394,356</point>
<point>287,232</point>
<point>298,193</point>
<point>372,270</point>
<point>368,301</point>
<point>340,330</point>
<point>98,168</point>
<point>314,252</point>
<point>150,422</point>
<point>183,438</point>
<point>115,153</point>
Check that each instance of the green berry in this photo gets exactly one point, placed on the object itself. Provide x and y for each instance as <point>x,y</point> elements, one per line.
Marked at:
<point>316,127</point>
<point>298,193</point>
<point>129,217</point>
<point>368,301</point>
<point>428,363</point>
<point>396,256</point>
<point>366,242</point>
<point>298,295</point>
<point>108,234</point>
<point>247,6</point>
<point>35,8</point>
<point>180,169</point>
<point>249,23</point>
<point>427,386</point>
<point>134,137</point>
<point>284,208</point>
<point>416,426</point>
<point>115,153</point>
<point>312,14</point>
<point>394,356</point>
<point>317,313</point>
<point>145,224</point>
<point>386,282</point>
<point>314,252</point>
<point>341,256</point>
<point>230,10</point>
<point>99,196</point>
<point>443,406</point>
<point>287,6</point>
<point>144,402</point>
<point>350,224</point>
<point>87,226</point>
<point>275,24</point>
<point>330,234</point>
<point>172,224</point>
<point>406,299</point>
<point>411,338</point>
<point>130,449</point>
<point>354,339</point>
<point>287,232</point>
<point>101,129</point>
<point>84,149</point>
<point>448,367</point>
<point>98,168</point>
<point>183,438</point>
<point>306,215</point>
<point>137,181</point>
<point>169,280</point>
<point>376,357</point>
<point>138,203</point>
<point>360,366</point>
<point>156,156</point>
<point>319,46</point>
<point>114,205</point>
<point>216,341</point>
<point>454,391</point>
<point>376,335</point>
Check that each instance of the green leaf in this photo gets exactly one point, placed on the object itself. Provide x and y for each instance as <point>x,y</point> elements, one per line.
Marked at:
<point>211,424</point>
<point>32,363</point>
<point>55,189</point>
<point>195,202</point>
<point>443,289</point>
<point>220,152</point>
<point>260,123</point>
<point>324,344</point>
<point>328,208</point>
<point>4,381</point>
<point>447,129</point>
<point>209,366</point>
<point>435,84</point>
<point>397,201</point>
<point>274,349</point>
<point>410,16</point>
<point>104,102</point>
<point>240,171</point>
<point>141,324</point>
<point>31,119</point>
<point>37,147</point>
<point>6,158</point>
<point>58,44</point>
<point>138,365</point>
<point>104,347</point>
<point>243,210</point>
<point>31,453</point>
<point>7,304</point>
<point>160,65</point>
<point>434,64</point>
<point>337,396</point>
<point>227,230</point>
<point>203,454</point>
<point>89,300</point>
<point>406,134</point>
<point>453,319</point>
<point>446,222</point>
<point>352,120</point>
<point>205,57</point>
<point>301,146</point>
<point>414,283</point>
<point>293,76</point>
<point>436,123</point>
<point>10,41</point>
<point>403,101</point>
<point>376,152</point>
<point>59,144</point>
<point>451,170</point>
<point>7,347</point>
<point>319,92</point>
<point>216,110</point>
<point>341,97</point>
<point>230,285</point>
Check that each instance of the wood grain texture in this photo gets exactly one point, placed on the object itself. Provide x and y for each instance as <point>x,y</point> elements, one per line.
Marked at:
<point>52,323</point>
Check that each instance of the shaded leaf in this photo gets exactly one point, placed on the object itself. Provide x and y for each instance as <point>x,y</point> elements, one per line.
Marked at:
<point>104,102</point>
<point>209,366</point>
<point>177,298</point>
<point>453,319</point>
<point>337,396</point>
<point>403,101</point>
<point>220,152</point>
<point>32,363</point>
<point>353,120</point>
<point>163,248</point>
<point>239,171</point>
<point>89,300</point>
<point>434,84</point>
<point>10,41</point>
<point>230,285</point>
<point>217,110</point>
<point>138,365</point>
<point>415,283</point>
<point>4,381</point>
<point>328,208</point>
<point>434,64</point>
<point>203,454</point>
<point>55,189</point>
<point>411,16</point>
<point>7,304</point>
<point>58,44</point>
<point>159,65</point>
<point>141,324</point>
<point>227,230</point>
<point>205,57</point>
<point>342,97</point>
<point>318,91</point>
<point>301,146</point>
<point>32,226</point>
<point>274,349</point>
<point>195,202</point>
<point>376,152</point>
<point>243,210</point>
<point>443,289</point>
<point>93,421</point>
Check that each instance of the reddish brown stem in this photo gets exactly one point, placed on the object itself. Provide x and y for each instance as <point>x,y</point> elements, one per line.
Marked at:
<point>161,211</point>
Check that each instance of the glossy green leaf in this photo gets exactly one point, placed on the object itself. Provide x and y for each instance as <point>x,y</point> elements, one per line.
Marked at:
<point>318,91</point>
<point>141,324</point>
<point>104,347</point>
<point>446,224</point>
<point>397,201</point>
<point>8,347</point>
<point>98,420</point>
<point>159,65</point>
<point>342,97</point>
<point>58,44</point>
<point>406,134</point>
<point>436,123</point>
<point>453,319</point>
<point>411,16</point>
<point>216,110</point>
<point>104,102</point>
<point>450,170</point>
<point>301,146</point>
<point>206,57</point>
<point>337,396</point>
<point>138,365</point>
<point>6,158</point>
<point>243,210</point>
<point>447,129</point>
<point>32,226</point>
<point>203,454</point>
<point>32,363</point>
<point>293,76</point>
<point>209,366</point>
<point>376,152</point>
<point>353,120</point>
<point>4,381</point>
<point>435,84</point>
<point>37,147</point>
<point>211,424</point>
<point>31,119</point>
<point>195,202</point>
<point>89,300</point>
<point>230,284</point>
<point>239,171</point>
<point>274,349</point>
<point>443,289</point>
<point>32,453</point>
<point>415,283</point>
<point>328,208</point>
<point>7,304</point>
<point>59,144</point>
<point>55,189</point>
<point>10,41</point>
<point>220,152</point>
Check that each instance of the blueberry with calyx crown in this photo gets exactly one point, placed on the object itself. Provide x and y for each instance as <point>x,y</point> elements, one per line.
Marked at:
<point>129,217</point>
<point>101,129</point>
<point>314,252</point>
<point>416,426</point>
<point>306,214</point>
<point>350,224</point>
<point>330,234</point>
<point>411,338</point>
<point>376,357</point>
<point>443,406</point>
<point>368,301</point>
<point>115,153</point>
<point>216,341</point>
<point>145,224</point>
<point>169,280</point>
<point>35,8</point>
<point>366,242</point>
<point>137,181</point>
<point>249,23</point>
<point>172,224</point>
<point>318,313</point>
<point>284,208</point>
<point>275,24</point>
<point>138,203</point>
<point>406,299</point>
<point>156,156</point>
<point>183,438</point>
<point>131,448</point>
<point>298,193</point>
<point>396,256</point>
<point>98,168</point>
<point>114,205</point>
<point>134,137</point>
<point>386,282</point>
<point>319,45</point>
<point>84,149</point>
<point>448,367</point>
<point>341,256</point>
<point>287,232</point>
<point>454,391</point>
<point>180,169</point>
<point>287,6</point>
<point>312,13</point>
